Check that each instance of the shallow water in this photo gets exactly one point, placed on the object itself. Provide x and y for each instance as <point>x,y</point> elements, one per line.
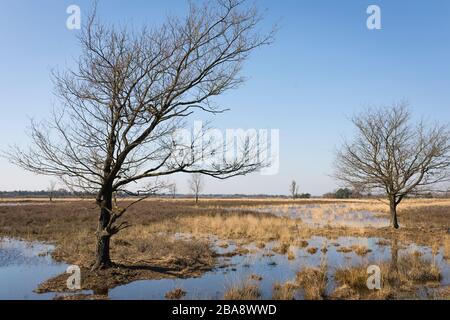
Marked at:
<point>13,204</point>
<point>336,215</point>
<point>272,269</point>
<point>23,267</point>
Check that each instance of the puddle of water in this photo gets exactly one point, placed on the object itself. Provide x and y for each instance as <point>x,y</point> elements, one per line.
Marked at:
<point>19,204</point>
<point>272,269</point>
<point>23,266</point>
<point>336,215</point>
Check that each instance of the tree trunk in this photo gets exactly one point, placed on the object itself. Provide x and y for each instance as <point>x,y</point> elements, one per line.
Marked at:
<point>393,209</point>
<point>196,198</point>
<point>393,276</point>
<point>103,259</point>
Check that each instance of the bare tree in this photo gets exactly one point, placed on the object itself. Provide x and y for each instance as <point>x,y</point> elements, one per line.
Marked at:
<point>130,93</point>
<point>293,189</point>
<point>51,190</point>
<point>173,190</point>
<point>393,154</point>
<point>196,185</point>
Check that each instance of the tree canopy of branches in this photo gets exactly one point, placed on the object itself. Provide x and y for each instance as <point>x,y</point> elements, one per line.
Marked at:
<point>129,93</point>
<point>393,154</point>
<point>196,185</point>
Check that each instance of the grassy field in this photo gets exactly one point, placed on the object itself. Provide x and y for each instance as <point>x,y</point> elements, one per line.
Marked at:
<point>153,249</point>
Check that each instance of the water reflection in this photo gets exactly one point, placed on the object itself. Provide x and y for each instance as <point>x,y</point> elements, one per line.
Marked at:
<point>24,266</point>
<point>274,268</point>
<point>336,215</point>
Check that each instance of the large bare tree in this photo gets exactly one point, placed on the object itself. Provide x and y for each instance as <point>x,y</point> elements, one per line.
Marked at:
<point>392,153</point>
<point>129,94</point>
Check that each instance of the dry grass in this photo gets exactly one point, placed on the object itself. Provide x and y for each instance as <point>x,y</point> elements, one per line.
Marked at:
<point>447,248</point>
<point>253,227</point>
<point>313,282</point>
<point>175,294</point>
<point>302,243</point>
<point>383,243</point>
<point>441,294</point>
<point>244,291</point>
<point>256,277</point>
<point>282,248</point>
<point>361,250</point>
<point>414,268</point>
<point>352,205</point>
<point>71,225</point>
<point>398,279</point>
<point>291,255</point>
<point>284,291</point>
<point>344,250</point>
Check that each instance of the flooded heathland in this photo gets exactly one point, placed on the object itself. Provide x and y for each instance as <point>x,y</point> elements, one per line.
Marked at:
<point>230,251</point>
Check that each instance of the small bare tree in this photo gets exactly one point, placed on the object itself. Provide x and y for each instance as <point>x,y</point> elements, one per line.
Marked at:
<point>395,155</point>
<point>130,93</point>
<point>293,189</point>
<point>196,185</point>
<point>51,190</point>
<point>173,190</point>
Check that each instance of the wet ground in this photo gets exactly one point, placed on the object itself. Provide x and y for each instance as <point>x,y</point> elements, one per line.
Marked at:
<point>23,266</point>
<point>335,215</point>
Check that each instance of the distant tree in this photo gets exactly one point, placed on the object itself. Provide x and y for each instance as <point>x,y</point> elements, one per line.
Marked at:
<point>293,189</point>
<point>196,185</point>
<point>304,196</point>
<point>395,155</point>
<point>51,190</point>
<point>343,193</point>
<point>173,190</point>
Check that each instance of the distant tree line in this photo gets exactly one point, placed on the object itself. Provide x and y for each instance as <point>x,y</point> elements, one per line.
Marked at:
<point>346,193</point>
<point>293,191</point>
<point>343,193</point>
<point>41,193</point>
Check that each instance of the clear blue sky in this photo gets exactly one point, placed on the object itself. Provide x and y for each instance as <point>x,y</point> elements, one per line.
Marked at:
<point>324,66</point>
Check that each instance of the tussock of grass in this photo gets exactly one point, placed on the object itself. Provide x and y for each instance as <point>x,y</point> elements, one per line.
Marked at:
<point>396,279</point>
<point>313,282</point>
<point>361,250</point>
<point>256,277</point>
<point>291,255</point>
<point>260,245</point>
<point>244,291</point>
<point>383,243</point>
<point>282,248</point>
<point>284,291</point>
<point>344,250</point>
<point>175,294</point>
<point>417,269</point>
<point>302,243</point>
<point>447,248</point>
